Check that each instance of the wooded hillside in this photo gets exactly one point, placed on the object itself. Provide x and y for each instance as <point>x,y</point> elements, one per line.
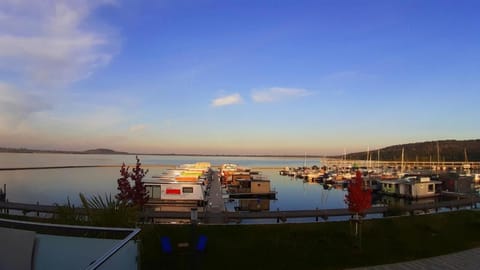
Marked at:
<point>448,150</point>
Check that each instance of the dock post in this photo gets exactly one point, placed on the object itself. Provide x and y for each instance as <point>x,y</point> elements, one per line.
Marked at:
<point>3,196</point>
<point>316,216</point>
<point>37,209</point>
<point>278,216</point>
<point>8,210</point>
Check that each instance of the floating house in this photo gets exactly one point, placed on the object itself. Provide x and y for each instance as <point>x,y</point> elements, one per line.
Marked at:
<point>176,193</point>
<point>230,172</point>
<point>466,183</point>
<point>412,187</point>
<point>184,185</point>
<point>256,186</point>
<point>244,183</point>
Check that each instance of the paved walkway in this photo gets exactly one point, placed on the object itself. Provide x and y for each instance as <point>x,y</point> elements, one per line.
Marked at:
<point>464,260</point>
<point>215,202</point>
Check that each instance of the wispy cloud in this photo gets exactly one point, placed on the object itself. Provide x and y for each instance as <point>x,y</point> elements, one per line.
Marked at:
<point>51,41</point>
<point>17,106</point>
<point>137,128</point>
<point>227,100</point>
<point>275,94</point>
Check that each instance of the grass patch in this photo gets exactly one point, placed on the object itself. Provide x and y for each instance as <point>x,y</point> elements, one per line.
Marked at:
<point>314,245</point>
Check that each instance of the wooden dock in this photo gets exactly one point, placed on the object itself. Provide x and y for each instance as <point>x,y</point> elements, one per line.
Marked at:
<point>317,214</point>
<point>215,209</point>
<point>215,212</point>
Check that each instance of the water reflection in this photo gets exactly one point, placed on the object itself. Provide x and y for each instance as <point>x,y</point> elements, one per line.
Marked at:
<point>51,186</point>
<point>252,205</point>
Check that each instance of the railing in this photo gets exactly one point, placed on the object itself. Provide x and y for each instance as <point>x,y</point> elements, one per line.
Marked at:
<point>35,226</point>
<point>98,262</point>
<point>462,200</point>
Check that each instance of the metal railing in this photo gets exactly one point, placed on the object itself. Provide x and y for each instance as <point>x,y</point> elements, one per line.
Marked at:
<point>98,262</point>
<point>34,226</point>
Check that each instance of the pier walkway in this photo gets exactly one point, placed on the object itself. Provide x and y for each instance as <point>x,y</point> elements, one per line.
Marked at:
<point>215,209</point>
<point>463,260</point>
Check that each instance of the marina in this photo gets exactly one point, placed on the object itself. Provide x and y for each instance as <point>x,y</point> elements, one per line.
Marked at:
<point>239,134</point>
<point>178,185</point>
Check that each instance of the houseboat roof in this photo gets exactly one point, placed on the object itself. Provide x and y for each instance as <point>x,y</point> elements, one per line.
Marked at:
<point>253,180</point>
<point>159,181</point>
<point>392,181</point>
<point>409,181</point>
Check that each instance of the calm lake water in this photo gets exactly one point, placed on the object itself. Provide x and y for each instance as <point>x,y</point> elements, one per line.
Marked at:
<point>57,186</point>
<point>50,186</point>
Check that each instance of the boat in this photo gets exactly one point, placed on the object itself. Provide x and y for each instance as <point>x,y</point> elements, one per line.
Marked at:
<point>175,193</point>
<point>413,187</point>
<point>182,185</point>
<point>256,186</point>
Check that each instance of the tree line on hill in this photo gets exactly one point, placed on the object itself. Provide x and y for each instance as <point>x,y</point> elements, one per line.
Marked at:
<point>444,150</point>
<point>91,151</point>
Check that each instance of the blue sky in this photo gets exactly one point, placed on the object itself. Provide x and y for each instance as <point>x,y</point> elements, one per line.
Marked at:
<point>237,77</point>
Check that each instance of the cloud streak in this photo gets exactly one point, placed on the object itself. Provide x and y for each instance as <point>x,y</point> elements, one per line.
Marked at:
<point>276,94</point>
<point>17,106</point>
<point>227,100</point>
<point>50,42</point>
<point>137,128</point>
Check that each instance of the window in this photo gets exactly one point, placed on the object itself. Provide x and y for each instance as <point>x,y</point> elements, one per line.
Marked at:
<point>154,192</point>
<point>187,189</point>
<point>430,188</point>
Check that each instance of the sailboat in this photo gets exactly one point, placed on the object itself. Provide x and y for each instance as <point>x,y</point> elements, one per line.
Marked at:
<point>466,165</point>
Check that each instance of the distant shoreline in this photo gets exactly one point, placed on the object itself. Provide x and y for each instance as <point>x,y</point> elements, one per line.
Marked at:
<point>431,151</point>
<point>115,166</point>
<point>112,152</point>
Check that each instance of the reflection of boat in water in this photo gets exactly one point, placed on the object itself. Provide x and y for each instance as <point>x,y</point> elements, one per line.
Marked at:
<point>327,186</point>
<point>253,205</point>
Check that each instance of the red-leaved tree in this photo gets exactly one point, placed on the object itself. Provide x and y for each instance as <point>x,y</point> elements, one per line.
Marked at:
<point>124,188</point>
<point>136,194</point>
<point>358,198</point>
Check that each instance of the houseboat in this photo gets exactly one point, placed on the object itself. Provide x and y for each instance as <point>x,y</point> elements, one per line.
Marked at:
<point>256,186</point>
<point>175,193</point>
<point>184,185</point>
<point>411,187</point>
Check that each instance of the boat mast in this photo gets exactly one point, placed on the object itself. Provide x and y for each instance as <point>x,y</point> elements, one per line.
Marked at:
<point>305,161</point>
<point>368,155</point>
<point>403,156</point>
<point>466,166</point>
<point>438,156</point>
<point>378,158</point>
